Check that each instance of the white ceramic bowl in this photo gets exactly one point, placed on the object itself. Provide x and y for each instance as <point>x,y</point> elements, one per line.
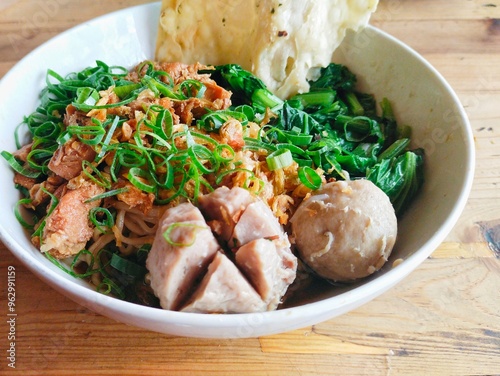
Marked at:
<point>385,67</point>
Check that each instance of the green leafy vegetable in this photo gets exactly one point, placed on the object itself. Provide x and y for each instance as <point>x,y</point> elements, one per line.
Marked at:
<point>247,88</point>
<point>333,128</point>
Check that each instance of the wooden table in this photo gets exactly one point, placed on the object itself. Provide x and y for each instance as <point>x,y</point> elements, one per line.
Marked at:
<point>444,319</point>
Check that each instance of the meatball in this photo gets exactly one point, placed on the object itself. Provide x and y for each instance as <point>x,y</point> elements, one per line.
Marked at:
<point>346,230</point>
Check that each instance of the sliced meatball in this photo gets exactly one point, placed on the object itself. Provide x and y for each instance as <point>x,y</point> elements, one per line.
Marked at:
<point>223,208</point>
<point>68,229</point>
<point>269,268</point>
<point>224,290</point>
<point>257,221</point>
<point>346,230</point>
<point>182,249</point>
<point>185,252</point>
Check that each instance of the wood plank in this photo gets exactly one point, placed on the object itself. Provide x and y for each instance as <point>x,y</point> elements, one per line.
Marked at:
<point>479,36</point>
<point>462,251</point>
<point>443,319</point>
<point>438,306</point>
<point>409,10</point>
<point>24,27</point>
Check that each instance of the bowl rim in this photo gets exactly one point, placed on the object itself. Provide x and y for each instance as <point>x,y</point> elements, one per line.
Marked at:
<point>340,303</point>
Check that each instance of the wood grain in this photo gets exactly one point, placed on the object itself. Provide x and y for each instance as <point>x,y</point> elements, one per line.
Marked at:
<point>444,319</point>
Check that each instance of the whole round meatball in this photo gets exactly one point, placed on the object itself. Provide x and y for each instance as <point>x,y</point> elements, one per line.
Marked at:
<point>346,230</point>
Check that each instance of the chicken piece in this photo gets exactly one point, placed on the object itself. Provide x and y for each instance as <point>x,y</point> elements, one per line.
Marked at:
<point>176,264</point>
<point>179,72</point>
<point>223,208</point>
<point>134,197</point>
<point>269,267</point>
<point>37,192</point>
<point>68,229</point>
<point>22,153</point>
<point>214,97</point>
<point>216,94</point>
<point>145,99</point>
<point>257,221</point>
<point>224,290</point>
<point>346,230</point>
<point>67,159</point>
<point>194,108</point>
<point>76,117</point>
<point>231,133</point>
<point>24,181</point>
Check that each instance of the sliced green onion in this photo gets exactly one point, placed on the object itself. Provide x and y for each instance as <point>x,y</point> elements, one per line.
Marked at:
<point>54,201</point>
<point>48,130</point>
<point>70,271</point>
<point>39,159</point>
<point>309,177</point>
<point>64,137</point>
<point>99,178</point>
<point>213,121</point>
<point>17,136</point>
<point>179,191</point>
<point>192,88</point>
<point>158,87</point>
<point>247,110</point>
<point>205,138</point>
<point>108,219</point>
<point>157,142</point>
<point>124,91</point>
<point>194,173</point>
<point>200,155</point>
<point>17,167</point>
<point>281,158</point>
<point>252,181</point>
<point>19,216</point>
<point>108,137</point>
<point>141,179</point>
<point>293,149</point>
<point>108,286</point>
<point>167,182</point>
<point>90,268</point>
<point>89,134</point>
<point>330,158</point>
<point>113,192</point>
<point>257,145</point>
<point>128,267</point>
<point>142,253</point>
<point>87,96</point>
<point>173,226</point>
<point>165,123</point>
<point>219,151</point>
<point>130,158</point>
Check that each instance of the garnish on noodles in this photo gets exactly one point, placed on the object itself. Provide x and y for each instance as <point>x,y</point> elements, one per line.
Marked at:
<point>111,150</point>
